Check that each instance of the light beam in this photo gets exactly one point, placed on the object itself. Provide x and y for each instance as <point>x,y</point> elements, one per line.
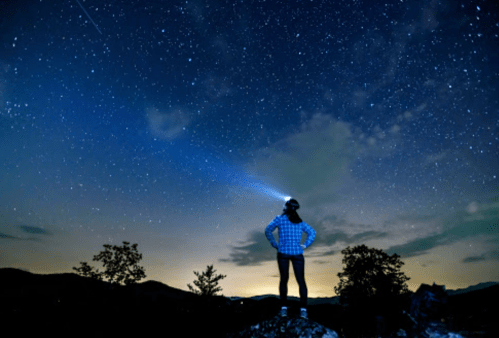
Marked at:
<point>220,170</point>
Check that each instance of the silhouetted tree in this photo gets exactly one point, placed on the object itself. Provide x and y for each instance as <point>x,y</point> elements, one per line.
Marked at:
<point>370,274</point>
<point>120,263</point>
<point>86,270</point>
<point>207,282</point>
<point>373,288</point>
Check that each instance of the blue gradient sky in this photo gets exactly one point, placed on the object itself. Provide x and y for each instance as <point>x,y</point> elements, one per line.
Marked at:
<point>167,122</point>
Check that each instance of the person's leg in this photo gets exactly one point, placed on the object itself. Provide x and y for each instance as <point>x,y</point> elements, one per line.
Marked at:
<point>283,263</point>
<point>299,269</point>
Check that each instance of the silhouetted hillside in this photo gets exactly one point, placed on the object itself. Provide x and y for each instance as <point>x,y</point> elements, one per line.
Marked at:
<point>479,286</point>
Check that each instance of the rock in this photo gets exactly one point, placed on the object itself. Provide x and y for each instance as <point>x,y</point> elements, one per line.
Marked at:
<point>436,331</point>
<point>428,304</point>
<point>286,327</point>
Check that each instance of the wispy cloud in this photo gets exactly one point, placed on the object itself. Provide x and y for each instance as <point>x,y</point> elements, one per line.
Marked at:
<point>481,220</point>
<point>311,160</point>
<point>492,255</point>
<point>256,251</point>
<point>473,259</point>
<point>34,230</point>
<point>166,125</point>
<point>315,161</point>
<point>6,236</point>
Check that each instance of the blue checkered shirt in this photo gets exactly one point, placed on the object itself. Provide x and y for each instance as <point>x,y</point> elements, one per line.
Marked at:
<point>289,235</point>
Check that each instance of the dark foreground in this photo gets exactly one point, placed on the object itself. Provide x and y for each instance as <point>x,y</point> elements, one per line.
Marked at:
<point>63,305</point>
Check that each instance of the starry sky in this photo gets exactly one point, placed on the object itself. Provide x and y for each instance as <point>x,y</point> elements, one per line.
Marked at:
<point>179,125</point>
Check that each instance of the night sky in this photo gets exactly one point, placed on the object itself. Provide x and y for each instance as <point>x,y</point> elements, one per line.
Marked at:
<point>179,125</point>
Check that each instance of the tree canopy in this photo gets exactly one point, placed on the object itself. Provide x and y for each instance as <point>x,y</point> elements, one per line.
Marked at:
<point>207,282</point>
<point>370,275</point>
<point>120,263</point>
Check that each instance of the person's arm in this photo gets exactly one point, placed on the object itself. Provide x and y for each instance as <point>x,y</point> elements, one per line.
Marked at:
<point>268,233</point>
<point>310,235</point>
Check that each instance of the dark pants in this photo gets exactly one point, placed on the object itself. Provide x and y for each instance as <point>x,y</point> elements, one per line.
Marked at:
<point>299,269</point>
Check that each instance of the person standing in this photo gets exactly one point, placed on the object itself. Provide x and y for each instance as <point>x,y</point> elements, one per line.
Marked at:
<point>290,228</point>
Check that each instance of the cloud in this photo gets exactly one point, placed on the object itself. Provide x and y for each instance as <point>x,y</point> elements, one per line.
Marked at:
<point>313,159</point>
<point>166,125</point>
<point>472,207</point>
<point>488,256</point>
<point>314,163</point>
<point>473,259</point>
<point>417,247</point>
<point>216,87</point>
<point>327,238</point>
<point>27,229</point>
<point>481,221</point>
<point>257,251</point>
<point>34,230</point>
<point>5,236</point>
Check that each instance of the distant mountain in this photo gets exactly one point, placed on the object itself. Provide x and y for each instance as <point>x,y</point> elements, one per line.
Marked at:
<point>479,286</point>
<point>336,300</point>
<point>311,301</point>
<point>12,279</point>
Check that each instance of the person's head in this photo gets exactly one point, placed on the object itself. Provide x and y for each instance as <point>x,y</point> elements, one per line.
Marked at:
<point>290,210</point>
<point>291,205</point>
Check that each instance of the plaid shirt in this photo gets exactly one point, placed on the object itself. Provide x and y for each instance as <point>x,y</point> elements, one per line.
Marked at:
<point>289,235</point>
